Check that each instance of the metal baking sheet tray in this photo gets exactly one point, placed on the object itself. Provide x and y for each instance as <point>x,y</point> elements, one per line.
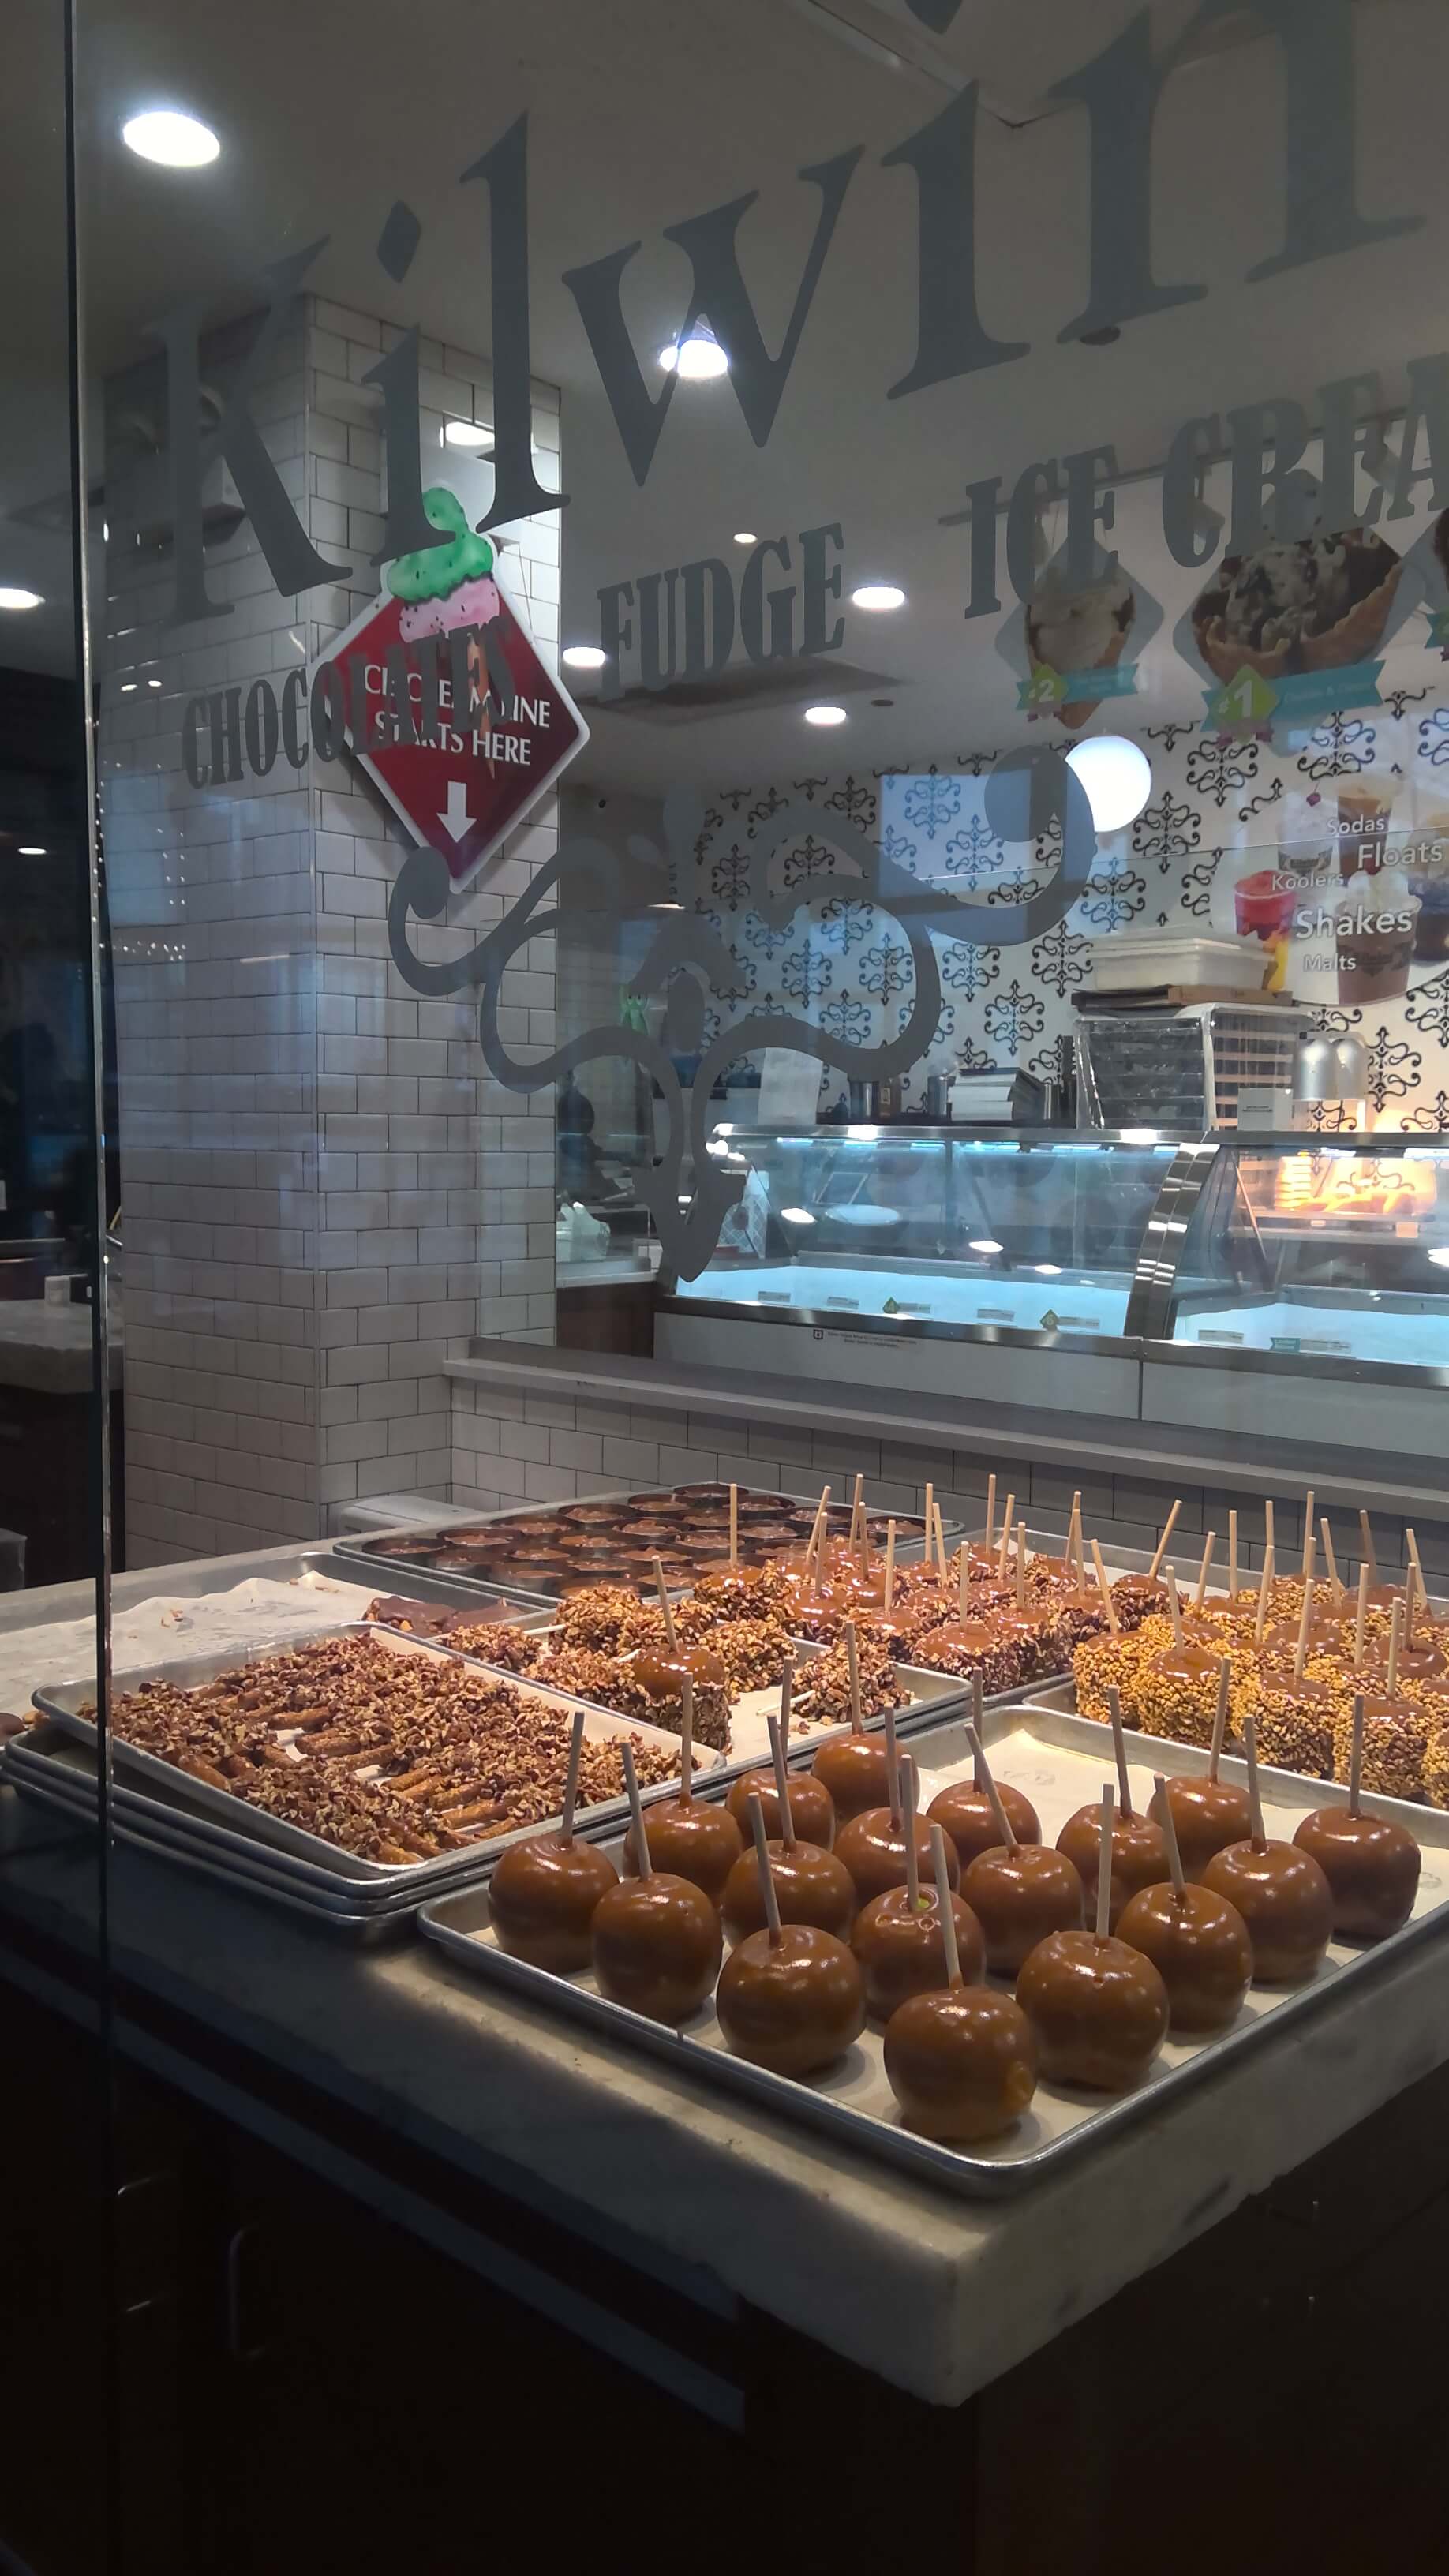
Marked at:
<point>45,1762</point>
<point>1060,1761</point>
<point>61,1702</point>
<point>164,1800</point>
<point>381,1924</point>
<point>1184,1560</point>
<point>364,1552</point>
<point>750,1712</point>
<point>57,1772</point>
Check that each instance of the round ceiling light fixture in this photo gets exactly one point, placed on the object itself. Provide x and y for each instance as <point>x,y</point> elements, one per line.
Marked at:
<point>802,1216</point>
<point>878,596</point>
<point>585,657</point>
<point>695,355</point>
<point>825,715</point>
<point>985,1243</point>
<point>171,137</point>
<point>33,850</point>
<point>746,537</point>
<point>1117,776</point>
<point>468,433</point>
<point>12,595</point>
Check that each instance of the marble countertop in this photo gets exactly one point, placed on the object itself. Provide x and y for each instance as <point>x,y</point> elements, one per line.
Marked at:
<point>48,1348</point>
<point>935,2294</point>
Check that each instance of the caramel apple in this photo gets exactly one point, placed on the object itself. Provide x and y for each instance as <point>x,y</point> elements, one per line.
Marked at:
<point>961,2064</point>
<point>1371,1863</point>
<point>960,2061</point>
<point>655,1938</point>
<point>1208,1814</point>
<point>690,1838</point>
<point>873,1849</point>
<point>1017,1891</point>
<point>812,1886</point>
<point>1280,1892</point>
<point>1196,1941</point>
<point>544,1893</point>
<point>541,1900</point>
<point>808,1885</point>
<point>1139,1851</point>
<point>1098,2010</point>
<point>811,1805</point>
<point>792,2000</point>
<point>966,1813</point>
<point>1139,1856</point>
<point>1199,1945</point>
<point>899,1937</point>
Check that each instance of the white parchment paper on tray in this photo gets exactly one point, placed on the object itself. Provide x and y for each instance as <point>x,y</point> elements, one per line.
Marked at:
<point>256,1612</point>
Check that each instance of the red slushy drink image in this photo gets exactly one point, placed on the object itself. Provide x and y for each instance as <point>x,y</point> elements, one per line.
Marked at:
<point>1263,907</point>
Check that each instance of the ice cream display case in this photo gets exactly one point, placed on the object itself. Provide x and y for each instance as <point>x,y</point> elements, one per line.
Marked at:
<point>914,1256</point>
<point>1221,1283</point>
<point>1305,1282</point>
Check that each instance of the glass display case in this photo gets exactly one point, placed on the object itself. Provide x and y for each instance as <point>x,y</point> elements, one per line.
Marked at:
<point>932,1227</point>
<point>1326,1252</point>
<point>1215,1283</point>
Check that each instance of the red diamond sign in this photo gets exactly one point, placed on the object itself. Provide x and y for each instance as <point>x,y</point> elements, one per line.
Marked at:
<point>443,624</point>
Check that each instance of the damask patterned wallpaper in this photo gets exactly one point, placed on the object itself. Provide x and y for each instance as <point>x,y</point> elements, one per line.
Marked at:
<point>844,964</point>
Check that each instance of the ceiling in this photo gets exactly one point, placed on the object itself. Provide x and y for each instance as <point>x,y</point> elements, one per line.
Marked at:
<point>642,113</point>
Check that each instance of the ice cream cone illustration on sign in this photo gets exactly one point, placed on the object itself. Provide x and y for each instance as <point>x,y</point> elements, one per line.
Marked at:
<point>1073,629</point>
<point>445,586</point>
<point>1319,604</point>
<point>460,780</point>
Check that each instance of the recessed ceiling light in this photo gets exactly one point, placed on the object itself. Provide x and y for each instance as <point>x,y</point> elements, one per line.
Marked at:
<point>585,657</point>
<point>797,1216</point>
<point>1117,776</point>
<point>168,135</point>
<point>153,684</point>
<point>878,595</point>
<point>825,715</point>
<point>127,686</point>
<point>467,433</point>
<point>984,1244</point>
<point>746,537</point>
<point>696,356</point>
<point>12,596</point>
<point>33,850</point>
<point>1048,1270</point>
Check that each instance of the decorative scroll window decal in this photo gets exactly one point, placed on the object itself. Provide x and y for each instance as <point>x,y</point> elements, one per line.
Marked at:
<point>687,958</point>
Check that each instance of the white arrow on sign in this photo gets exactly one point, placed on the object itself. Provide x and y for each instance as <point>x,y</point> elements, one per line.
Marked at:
<point>457,820</point>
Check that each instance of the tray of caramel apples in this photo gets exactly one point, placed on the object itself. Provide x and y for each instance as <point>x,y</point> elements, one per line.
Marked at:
<point>1299,1646</point>
<point>360,1762</point>
<point>974,1955</point>
<point>844,1626</point>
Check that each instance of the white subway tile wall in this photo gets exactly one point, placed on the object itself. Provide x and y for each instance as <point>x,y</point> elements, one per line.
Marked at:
<point>509,1449</point>
<point>323,1194</point>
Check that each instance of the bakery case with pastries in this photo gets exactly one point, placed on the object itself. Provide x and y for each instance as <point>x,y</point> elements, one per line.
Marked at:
<point>1212,1281</point>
